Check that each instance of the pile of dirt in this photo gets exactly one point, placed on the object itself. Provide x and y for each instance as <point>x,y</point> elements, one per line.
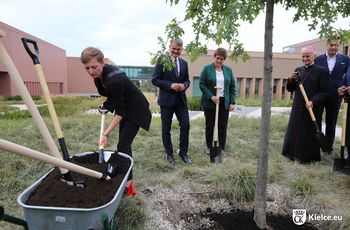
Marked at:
<point>55,193</point>
<point>239,219</point>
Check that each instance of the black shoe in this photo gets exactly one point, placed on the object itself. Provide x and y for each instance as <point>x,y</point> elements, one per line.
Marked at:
<point>185,159</point>
<point>170,159</point>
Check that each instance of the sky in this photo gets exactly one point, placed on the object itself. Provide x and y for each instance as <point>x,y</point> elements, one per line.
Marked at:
<point>126,31</point>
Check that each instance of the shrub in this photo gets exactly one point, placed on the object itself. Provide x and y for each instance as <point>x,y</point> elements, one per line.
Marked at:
<point>15,114</point>
<point>194,103</point>
<point>257,102</point>
<point>243,185</point>
<point>130,214</point>
<point>303,187</point>
<point>14,98</point>
<point>72,105</point>
<point>19,98</point>
<point>4,108</point>
<point>236,184</point>
<point>64,105</point>
<point>36,98</point>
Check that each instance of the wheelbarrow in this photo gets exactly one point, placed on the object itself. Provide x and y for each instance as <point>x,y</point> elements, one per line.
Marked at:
<point>56,218</point>
<point>12,219</point>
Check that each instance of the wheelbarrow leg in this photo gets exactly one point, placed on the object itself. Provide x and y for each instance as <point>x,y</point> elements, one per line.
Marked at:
<point>101,223</point>
<point>12,219</point>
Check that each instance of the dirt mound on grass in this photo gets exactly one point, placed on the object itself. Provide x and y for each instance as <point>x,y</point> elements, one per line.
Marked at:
<point>238,219</point>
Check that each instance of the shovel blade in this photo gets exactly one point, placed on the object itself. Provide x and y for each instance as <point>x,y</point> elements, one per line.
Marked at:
<point>218,158</point>
<point>323,142</point>
<point>215,154</point>
<point>341,165</point>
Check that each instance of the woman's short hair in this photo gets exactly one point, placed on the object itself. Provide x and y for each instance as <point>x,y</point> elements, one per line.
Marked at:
<point>222,52</point>
<point>91,52</point>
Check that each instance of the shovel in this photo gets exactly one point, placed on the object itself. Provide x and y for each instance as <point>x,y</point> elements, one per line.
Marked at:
<point>38,120</point>
<point>321,139</point>
<point>47,96</point>
<point>215,150</point>
<point>101,156</point>
<point>340,164</point>
<point>27,152</point>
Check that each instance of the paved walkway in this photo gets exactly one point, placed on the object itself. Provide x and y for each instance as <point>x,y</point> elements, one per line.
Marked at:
<point>256,113</point>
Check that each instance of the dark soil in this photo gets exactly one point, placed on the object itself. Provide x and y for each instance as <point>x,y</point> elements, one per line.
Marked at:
<point>242,220</point>
<point>55,193</point>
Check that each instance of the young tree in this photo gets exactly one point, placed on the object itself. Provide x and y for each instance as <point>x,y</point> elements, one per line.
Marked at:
<point>218,21</point>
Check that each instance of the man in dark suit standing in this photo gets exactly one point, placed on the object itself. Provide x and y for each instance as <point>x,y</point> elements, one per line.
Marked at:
<point>337,65</point>
<point>172,99</point>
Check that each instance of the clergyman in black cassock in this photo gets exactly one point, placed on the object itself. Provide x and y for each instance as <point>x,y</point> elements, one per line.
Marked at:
<point>300,141</point>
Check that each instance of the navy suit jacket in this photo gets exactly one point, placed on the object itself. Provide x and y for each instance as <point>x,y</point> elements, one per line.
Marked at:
<point>163,79</point>
<point>337,75</point>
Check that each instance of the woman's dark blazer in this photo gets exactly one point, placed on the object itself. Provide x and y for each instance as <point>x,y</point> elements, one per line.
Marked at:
<point>123,97</point>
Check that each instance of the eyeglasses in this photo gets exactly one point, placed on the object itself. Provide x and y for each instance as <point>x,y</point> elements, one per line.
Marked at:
<point>219,58</point>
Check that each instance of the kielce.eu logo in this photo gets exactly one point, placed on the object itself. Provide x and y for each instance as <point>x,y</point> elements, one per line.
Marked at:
<point>299,216</point>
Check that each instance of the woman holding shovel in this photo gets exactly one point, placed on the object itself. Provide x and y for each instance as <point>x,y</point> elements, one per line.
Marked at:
<point>124,100</point>
<point>302,141</point>
<point>218,89</point>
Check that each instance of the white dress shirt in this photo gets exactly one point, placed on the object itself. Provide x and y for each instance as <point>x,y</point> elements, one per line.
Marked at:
<point>331,62</point>
<point>220,82</point>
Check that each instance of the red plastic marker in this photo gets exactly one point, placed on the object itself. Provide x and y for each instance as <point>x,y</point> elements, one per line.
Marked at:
<point>131,190</point>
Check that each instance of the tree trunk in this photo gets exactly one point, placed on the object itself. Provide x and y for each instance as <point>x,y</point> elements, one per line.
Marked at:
<point>262,165</point>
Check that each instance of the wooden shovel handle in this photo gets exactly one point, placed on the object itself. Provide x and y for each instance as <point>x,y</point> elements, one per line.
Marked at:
<point>24,151</point>
<point>43,84</point>
<point>22,90</point>
<point>216,131</point>
<point>102,129</point>
<point>48,100</point>
<point>343,128</point>
<point>307,101</point>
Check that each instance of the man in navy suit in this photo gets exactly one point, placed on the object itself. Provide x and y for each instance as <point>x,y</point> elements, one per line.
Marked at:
<point>337,65</point>
<point>172,99</point>
<point>345,91</point>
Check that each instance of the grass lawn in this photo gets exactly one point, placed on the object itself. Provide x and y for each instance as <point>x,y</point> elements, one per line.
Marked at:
<point>162,188</point>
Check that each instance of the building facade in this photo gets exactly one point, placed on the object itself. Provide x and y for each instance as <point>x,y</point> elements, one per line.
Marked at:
<point>66,75</point>
<point>249,74</point>
<point>52,58</point>
<point>80,83</point>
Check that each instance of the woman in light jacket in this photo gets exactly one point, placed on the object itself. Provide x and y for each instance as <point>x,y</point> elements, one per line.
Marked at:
<point>215,75</point>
